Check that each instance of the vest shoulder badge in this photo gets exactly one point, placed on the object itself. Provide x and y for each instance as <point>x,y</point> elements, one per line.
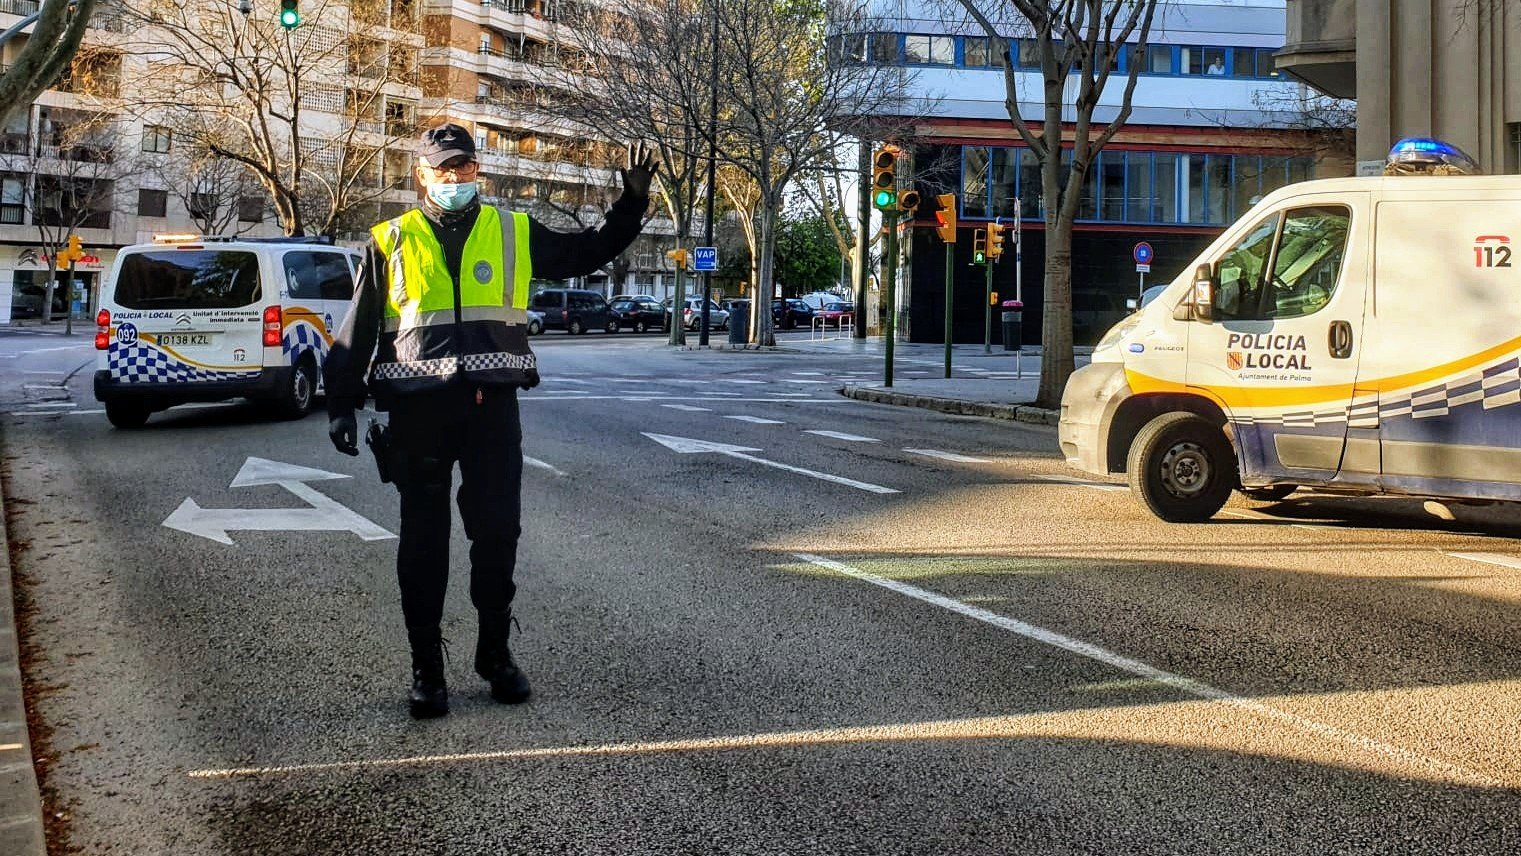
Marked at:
<point>483,271</point>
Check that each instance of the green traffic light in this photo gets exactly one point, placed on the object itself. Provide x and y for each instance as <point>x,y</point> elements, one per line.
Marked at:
<point>884,198</point>
<point>290,19</point>
<point>979,258</point>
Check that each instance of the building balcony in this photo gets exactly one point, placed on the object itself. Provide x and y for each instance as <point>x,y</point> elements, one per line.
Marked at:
<point>1321,45</point>
<point>19,7</point>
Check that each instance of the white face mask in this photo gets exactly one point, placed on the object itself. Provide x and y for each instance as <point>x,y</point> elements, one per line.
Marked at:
<point>452,197</point>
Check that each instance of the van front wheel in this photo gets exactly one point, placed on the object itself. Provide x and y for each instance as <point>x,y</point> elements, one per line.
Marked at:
<point>127,416</point>
<point>1182,467</point>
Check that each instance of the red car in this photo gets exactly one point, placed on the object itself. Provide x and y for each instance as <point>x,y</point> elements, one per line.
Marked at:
<point>836,313</point>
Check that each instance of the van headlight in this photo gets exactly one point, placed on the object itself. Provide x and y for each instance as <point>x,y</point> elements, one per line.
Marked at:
<point>1118,332</point>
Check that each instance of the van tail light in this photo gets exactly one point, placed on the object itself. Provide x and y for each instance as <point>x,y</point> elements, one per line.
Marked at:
<point>272,326</point>
<point>103,335</point>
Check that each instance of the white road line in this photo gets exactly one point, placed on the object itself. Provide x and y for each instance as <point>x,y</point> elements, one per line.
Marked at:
<point>49,350</point>
<point>683,380</point>
<point>741,380</point>
<point>840,435</point>
<point>756,420</point>
<point>1183,684</point>
<point>807,374</point>
<point>1490,559</point>
<point>1257,515</point>
<point>795,380</point>
<point>46,373</point>
<point>535,462</point>
<point>83,412</point>
<point>1079,482</point>
<point>949,456</point>
<point>41,386</point>
<point>688,408</point>
<point>53,405</point>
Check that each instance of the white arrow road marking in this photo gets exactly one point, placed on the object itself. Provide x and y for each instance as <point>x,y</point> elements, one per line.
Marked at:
<point>1490,558</point>
<point>756,420</point>
<point>688,408</point>
<point>948,456</point>
<point>840,435</point>
<point>535,462</point>
<point>323,513</point>
<point>687,445</point>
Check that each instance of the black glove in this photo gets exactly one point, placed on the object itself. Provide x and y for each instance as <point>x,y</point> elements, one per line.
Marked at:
<point>642,163</point>
<point>344,431</point>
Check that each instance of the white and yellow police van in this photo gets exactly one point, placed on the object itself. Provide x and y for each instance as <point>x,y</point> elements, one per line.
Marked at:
<point>190,318</point>
<point>1355,335</point>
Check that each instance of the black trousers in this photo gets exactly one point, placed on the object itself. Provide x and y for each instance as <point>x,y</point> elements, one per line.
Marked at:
<point>480,431</point>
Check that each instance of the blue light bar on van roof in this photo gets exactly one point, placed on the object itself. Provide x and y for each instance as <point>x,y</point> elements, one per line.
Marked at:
<point>1424,155</point>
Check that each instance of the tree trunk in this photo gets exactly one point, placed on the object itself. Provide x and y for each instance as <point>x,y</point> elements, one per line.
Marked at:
<point>50,288</point>
<point>762,332</point>
<point>1056,362</point>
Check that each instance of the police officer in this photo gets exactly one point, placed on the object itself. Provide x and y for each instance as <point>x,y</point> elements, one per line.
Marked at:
<point>442,306</point>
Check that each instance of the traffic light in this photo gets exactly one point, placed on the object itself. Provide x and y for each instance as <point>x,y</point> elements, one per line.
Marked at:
<point>995,240</point>
<point>678,257</point>
<point>908,201</point>
<point>946,217</point>
<point>992,298</point>
<point>884,178</point>
<point>979,247</point>
<point>290,17</point>
<point>71,253</point>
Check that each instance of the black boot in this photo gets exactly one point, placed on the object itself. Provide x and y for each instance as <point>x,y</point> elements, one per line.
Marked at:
<point>493,658</point>
<point>430,697</point>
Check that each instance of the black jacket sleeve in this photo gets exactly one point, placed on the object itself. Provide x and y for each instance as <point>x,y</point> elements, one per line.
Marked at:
<point>348,363</point>
<point>559,255</point>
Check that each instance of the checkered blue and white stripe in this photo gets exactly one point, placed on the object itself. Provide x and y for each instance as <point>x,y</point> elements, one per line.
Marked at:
<point>142,364</point>
<point>301,337</point>
<point>1496,386</point>
<point>447,366</point>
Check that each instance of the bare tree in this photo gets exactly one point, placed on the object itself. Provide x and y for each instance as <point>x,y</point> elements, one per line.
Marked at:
<point>49,49</point>
<point>214,190</point>
<point>1327,126</point>
<point>310,112</point>
<point>1079,44</point>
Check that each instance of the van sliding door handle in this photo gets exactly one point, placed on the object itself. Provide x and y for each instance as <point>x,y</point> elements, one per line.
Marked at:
<point>1341,340</point>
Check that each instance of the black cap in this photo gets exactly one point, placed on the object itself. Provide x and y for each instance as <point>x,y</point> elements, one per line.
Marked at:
<point>444,142</point>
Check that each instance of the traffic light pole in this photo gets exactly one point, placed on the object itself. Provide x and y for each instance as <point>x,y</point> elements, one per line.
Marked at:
<point>890,280</point>
<point>950,254</point>
<point>987,308</point>
<point>678,329</point>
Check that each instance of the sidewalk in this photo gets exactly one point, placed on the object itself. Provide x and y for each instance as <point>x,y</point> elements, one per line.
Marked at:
<point>1001,386</point>
<point>21,831</point>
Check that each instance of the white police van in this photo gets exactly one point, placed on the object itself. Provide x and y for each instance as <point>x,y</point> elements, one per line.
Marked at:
<point>190,318</point>
<point>1351,335</point>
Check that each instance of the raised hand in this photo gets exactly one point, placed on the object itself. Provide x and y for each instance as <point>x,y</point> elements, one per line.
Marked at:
<point>640,173</point>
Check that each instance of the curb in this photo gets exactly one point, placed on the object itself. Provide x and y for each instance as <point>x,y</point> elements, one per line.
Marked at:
<point>21,830</point>
<point>1011,412</point>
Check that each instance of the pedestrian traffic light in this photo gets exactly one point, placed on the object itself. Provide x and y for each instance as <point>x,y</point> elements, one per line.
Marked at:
<point>884,177</point>
<point>290,17</point>
<point>946,217</point>
<point>995,240</point>
<point>678,257</point>
<point>72,252</point>
<point>908,201</point>
<point>992,298</point>
<point>979,247</point>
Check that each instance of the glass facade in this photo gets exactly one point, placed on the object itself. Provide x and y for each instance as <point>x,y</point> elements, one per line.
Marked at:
<point>1161,188</point>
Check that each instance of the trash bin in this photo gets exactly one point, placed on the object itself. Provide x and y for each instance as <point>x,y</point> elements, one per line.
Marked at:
<point>739,326</point>
<point>1013,325</point>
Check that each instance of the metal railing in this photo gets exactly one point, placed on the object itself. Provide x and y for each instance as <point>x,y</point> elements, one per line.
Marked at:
<point>845,325</point>
<point>19,7</point>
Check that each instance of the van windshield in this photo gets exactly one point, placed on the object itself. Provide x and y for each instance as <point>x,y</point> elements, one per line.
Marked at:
<point>188,279</point>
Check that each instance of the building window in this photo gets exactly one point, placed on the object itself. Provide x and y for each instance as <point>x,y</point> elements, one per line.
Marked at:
<point>156,139</point>
<point>929,50</point>
<point>251,209</point>
<point>202,206</point>
<point>1267,66</point>
<point>1111,185</point>
<point>974,182</point>
<point>885,49</point>
<point>1243,62</point>
<point>1158,60</point>
<point>1005,181</point>
<point>1195,60</point>
<point>1513,151</point>
<point>1029,53</point>
<point>12,199</point>
<point>979,53</point>
<point>152,203</point>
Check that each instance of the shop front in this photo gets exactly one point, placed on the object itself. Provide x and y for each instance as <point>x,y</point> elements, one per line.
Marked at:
<point>24,280</point>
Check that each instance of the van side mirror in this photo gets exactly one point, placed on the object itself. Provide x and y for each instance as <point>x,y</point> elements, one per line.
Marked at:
<point>1204,294</point>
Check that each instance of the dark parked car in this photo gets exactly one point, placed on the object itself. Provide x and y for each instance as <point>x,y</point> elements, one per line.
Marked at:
<point>638,313</point>
<point>574,310</point>
<point>791,313</point>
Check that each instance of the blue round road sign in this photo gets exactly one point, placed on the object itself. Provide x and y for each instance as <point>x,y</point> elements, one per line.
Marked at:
<point>1143,253</point>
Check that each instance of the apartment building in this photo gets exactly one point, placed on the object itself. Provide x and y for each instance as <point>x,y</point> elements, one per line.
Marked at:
<point>1213,127</point>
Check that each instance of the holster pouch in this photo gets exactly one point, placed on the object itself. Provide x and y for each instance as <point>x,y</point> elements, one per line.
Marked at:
<point>378,438</point>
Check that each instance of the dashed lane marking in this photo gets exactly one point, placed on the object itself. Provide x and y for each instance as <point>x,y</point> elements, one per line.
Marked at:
<point>1079,482</point>
<point>1131,666</point>
<point>688,408</point>
<point>756,420</point>
<point>949,456</point>
<point>840,435</point>
<point>1490,559</point>
<point>535,462</point>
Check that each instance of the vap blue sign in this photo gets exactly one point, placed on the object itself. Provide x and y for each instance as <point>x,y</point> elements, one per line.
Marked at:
<point>705,258</point>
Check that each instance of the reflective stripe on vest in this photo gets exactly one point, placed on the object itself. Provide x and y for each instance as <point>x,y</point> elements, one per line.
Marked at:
<point>495,272</point>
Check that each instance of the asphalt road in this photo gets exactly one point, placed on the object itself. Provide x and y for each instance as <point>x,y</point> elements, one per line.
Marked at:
<point>916,634</point>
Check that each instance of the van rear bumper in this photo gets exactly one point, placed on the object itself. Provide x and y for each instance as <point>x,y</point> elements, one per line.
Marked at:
<point>266,384</point>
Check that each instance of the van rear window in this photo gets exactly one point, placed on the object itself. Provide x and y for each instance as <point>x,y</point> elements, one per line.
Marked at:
<point>188,279</point>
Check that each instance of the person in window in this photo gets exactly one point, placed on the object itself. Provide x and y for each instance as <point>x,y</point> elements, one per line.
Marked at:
<point>439,328</point>
<point>1216,67</point>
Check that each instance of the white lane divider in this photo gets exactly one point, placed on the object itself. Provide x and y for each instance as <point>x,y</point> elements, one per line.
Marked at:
<point>1080,482</point>
<point>1490,559</point>
<point>806,374</point>
<point>688,408</point>
<point>756,420</point>
<point>689,445</point>
<point>535,462</point>
<point>948,456</point>
<point>1135,667</point>
<point>840,435</point>
<point>741,380</point>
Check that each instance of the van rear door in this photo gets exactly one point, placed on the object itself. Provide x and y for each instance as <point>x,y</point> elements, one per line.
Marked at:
<point>1282,354</point>
<point>185,313</point>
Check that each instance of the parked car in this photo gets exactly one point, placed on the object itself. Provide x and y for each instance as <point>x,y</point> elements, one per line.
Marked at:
<point>718,317</point>
<point>574,310</point>
<point>791,313</point>
<point>639,313</point>
<point>836,313</point>
<point>535,322</point>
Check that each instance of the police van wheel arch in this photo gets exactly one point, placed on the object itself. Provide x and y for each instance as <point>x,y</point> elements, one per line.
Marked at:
<point>1182,467</point>
<point>1133,412</point>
